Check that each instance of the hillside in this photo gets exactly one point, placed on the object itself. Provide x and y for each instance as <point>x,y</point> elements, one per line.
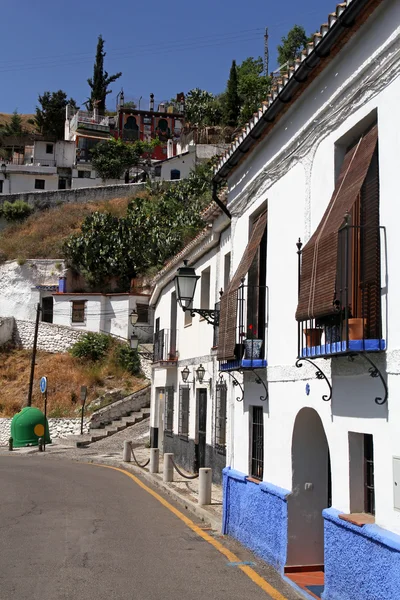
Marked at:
<point>42,235</point>
<point>65,376</point>
<point>6,118</point>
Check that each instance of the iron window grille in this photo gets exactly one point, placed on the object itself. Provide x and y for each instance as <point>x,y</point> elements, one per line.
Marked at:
<point>369,485</point>
<point>220,416</point>
<point>78,311</point>
<point>257,442</point>
<point>164,349</point>
<point>169,410</point>
<point>143,313</point>
<point>184,399</point>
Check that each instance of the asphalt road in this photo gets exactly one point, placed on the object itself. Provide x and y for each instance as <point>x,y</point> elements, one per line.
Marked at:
<point>76,531</point>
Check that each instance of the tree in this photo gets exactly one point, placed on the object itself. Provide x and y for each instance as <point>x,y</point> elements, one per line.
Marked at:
<point>14,127</point>
<point>232,101</point>
<point>50,116</point>
<point>253,87</point>
<point>112,158</point>
<point>202,108</point>
<point>101,80</point>
<point>292,45</point>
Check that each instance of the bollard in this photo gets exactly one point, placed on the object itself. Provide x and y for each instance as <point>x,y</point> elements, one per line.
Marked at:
<point>154,460</point>
<point>168,474</point>
<point>205,479</point>
<point>126,457</point>
<point>10,444</point>
<point>40,444</point>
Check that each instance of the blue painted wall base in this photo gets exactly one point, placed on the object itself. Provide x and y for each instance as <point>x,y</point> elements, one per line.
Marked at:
<point>361,563</point>
<point>256,515</point>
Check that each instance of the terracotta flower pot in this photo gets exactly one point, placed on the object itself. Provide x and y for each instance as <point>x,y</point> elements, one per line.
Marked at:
<point>313,337</point>
<point>356,329</point>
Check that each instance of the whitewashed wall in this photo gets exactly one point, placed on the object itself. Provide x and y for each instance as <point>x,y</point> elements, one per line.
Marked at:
<point>58,428</point>
<point>293,172</point>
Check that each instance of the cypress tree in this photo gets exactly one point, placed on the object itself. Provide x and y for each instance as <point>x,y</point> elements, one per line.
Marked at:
<point>101,80</point>
<point>232,101</point>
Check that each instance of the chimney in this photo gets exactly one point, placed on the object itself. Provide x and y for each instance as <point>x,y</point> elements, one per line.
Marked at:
<point>151,101</point>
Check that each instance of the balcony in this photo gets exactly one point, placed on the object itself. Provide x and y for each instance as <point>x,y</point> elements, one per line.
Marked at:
<point>90,121</point>
<point>354,323</point>
<point>165,351</point>
<point>249,304</point>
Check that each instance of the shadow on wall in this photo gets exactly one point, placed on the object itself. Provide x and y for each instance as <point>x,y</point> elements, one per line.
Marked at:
<point>354,390</point>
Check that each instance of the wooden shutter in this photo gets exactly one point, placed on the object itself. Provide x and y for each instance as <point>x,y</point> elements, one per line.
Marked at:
<point>319,256</point>
<point>229,300</point>
<point>370,252</point>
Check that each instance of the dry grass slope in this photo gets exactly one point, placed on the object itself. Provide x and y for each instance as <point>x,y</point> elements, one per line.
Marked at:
<point>6,118</point>
<point>42,235</point>
<point>65,376</point>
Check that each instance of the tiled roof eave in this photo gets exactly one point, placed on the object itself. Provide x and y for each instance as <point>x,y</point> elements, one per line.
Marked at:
<point>339,24</point>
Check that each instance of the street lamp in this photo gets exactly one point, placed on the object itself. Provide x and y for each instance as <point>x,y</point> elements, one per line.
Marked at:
<point>185,287</point>
<point>134,341</point>
<point>200,372</point>
<point>134,317</point>
<point>185,374</point>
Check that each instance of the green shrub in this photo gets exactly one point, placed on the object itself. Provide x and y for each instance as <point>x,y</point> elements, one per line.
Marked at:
<point>92,346</point>
<point>128,359</point>
<point>15,211</point>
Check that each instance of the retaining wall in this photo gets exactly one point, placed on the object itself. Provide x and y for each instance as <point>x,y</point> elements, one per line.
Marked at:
<point>51,338</point>
<point>42,199</point>
<point>6,330</point>
<point>59,428</point>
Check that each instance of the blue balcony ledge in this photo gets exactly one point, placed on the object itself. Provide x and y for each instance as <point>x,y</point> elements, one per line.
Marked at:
<point>243,363</point>
<point>345,347</point>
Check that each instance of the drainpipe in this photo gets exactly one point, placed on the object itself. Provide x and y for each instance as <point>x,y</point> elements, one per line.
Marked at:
<point>218,201</point>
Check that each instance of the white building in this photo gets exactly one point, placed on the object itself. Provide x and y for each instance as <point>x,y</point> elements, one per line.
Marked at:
<point>180,165</point>
<point>312,452</point>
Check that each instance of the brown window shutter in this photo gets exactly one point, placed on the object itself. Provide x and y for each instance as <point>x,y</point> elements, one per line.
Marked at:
<point>228,313</point>
<point>319,256</point>
<point>370,252</point>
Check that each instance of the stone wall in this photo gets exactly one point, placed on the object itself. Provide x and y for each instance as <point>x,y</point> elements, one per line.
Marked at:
<point>42,199</point>
<point>59,428</point>
<point>51,338</point>
<point>6,330</point>
<point>121,408</point>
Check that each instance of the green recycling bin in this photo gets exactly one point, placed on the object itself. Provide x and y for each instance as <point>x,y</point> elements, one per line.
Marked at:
<point>28,426</point>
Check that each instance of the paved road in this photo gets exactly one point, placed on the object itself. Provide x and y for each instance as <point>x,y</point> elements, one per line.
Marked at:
<point>71,531</point>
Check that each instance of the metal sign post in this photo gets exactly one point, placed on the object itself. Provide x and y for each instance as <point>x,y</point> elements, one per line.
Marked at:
<point>43,389</point>
<point>83,400</point>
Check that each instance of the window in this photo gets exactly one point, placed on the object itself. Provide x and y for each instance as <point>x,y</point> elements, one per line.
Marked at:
<point>169,409</point>
<point>39,184</point>
<point>143,313</point>
<point>184,399</point>
<point>175,174</point>
<point>83,174</point>
<point>220,416</point>
<point>78,311</point>
<point>257,442</point>
<point>157,171</point>
<point>227,270</point>
<point>362,487</point>
<point>1,186</point>
<point>205,289</point>
<point>49,148</point>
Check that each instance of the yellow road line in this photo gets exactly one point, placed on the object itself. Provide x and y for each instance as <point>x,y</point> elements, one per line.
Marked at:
<point>255,577</point>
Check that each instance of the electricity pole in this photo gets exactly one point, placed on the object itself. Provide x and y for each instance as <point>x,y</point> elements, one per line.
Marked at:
<point>266,51</point>
<point>38,311</point>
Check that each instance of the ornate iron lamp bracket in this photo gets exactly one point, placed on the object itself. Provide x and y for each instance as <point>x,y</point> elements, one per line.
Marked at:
<point>209,314</point>
<point>319,374</point>
<point>374,372</point>
<point>235,383</point>
<point>261,382</point>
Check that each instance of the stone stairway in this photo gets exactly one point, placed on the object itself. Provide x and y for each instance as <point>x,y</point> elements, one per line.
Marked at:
<point>118,424</point>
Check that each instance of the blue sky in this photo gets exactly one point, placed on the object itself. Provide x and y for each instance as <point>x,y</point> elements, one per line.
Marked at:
<point>160,47</point>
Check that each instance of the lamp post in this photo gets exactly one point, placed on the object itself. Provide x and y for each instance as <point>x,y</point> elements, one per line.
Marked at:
<point>134,317</point>
<point>200,372</point>
<point>185,287</point>
<point>134,342</point>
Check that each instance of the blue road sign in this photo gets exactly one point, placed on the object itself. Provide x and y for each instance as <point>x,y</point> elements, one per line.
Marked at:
<point>43,384</point>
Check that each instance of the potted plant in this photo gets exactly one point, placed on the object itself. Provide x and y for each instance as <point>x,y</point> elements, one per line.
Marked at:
<point>354,325</point>
<point>313,336</point>
<point>252,344</point>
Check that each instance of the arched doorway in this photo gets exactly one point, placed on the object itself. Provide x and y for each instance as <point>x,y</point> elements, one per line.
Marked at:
<point>311,491</point>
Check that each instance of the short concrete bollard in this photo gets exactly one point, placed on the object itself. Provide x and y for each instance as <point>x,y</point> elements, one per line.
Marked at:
<point>154,460</point>
<point>40,444</point>
<point>168,473</point>
<point>205,482</point>
<point>127,454</point>
<point>10,444</point>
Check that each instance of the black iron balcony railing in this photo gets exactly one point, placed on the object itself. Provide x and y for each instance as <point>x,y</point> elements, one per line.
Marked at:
<point>355,323</point>
<point>165,346</point>
<point>250,330</point>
